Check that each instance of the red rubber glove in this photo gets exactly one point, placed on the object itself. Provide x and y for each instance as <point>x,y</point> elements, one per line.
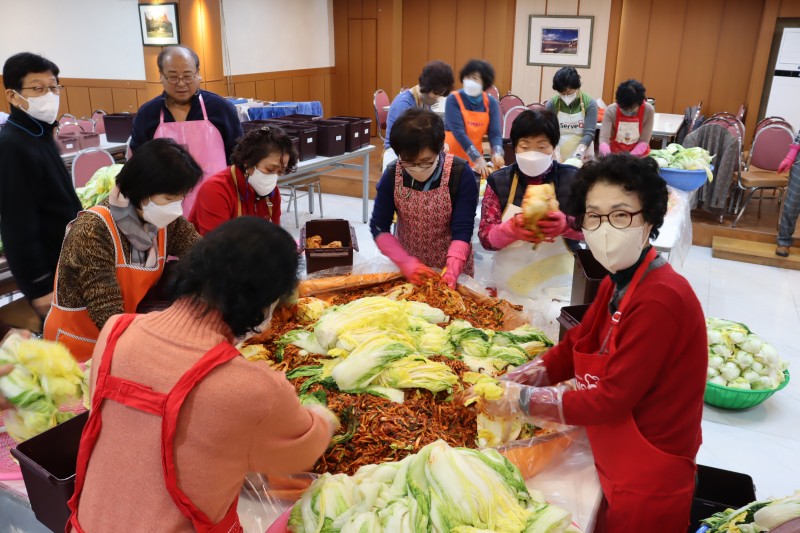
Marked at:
<point>553,225</point>
<point>640,149</point>
<point>604,149</point>
<point>457,256</point>
<point>412,268</point>
<point>511,230</point>
<point>789,160</point>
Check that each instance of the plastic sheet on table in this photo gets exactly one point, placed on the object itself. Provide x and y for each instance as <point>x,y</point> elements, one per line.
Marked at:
<point>265,498</point>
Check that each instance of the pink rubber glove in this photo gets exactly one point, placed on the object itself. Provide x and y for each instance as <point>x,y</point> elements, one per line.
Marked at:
<point>533,373</point>
<point>605,149</point>
<point>788,161</point>
<point>553,225</point>
<point>640,149</point>
<point>411,267</point>
<point>457,256</point>
<point>511,230</point>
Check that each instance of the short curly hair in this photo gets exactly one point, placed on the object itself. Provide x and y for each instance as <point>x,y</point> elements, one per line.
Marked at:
<point>566,78</point>
<point>485,69</point>
<point>260,143</point>
<point>634,174</point>
<point>630,93</point>
<point>437,77</point>
<point>240,268</point>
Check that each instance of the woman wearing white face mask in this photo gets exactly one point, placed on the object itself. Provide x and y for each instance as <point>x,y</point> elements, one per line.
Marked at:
<point>434,195</point>
<point>470,114</point>
<point>250,185</point>
<point>639,357</point>
<point>114,253</point>
<point>577,115</point>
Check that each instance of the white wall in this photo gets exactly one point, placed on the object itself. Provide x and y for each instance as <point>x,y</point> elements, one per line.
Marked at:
<point>98,39</point>
<point>534,83</point>
<point>276,35</point>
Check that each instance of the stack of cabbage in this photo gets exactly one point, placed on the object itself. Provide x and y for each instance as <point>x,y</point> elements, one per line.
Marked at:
<point>676,156</point>
<point>44,379</point>
<point>739,359</point>
<point>756,517</point>
<point>99,186</point>
<point>440,489</point>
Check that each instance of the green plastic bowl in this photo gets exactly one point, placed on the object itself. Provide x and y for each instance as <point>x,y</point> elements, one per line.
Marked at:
<point>728,398</point>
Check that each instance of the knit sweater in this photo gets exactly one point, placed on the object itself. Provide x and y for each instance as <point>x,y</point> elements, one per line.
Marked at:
<point>610,119</point>
<point>243,417</point>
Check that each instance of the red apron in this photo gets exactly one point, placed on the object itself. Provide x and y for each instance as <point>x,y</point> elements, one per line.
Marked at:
<point>423,220</point>
<point>626,132</point>
<point>645,489</point>
<point>476,125</point>
<point>72,326</point>
<point>203,141</point>
<point>167,407</point>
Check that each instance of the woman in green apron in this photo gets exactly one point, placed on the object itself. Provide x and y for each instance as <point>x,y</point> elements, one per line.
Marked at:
<point>577,115</point>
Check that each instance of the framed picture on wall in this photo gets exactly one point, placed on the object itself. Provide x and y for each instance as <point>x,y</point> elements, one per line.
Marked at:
<point>159,24</point>
<point>558,41</point>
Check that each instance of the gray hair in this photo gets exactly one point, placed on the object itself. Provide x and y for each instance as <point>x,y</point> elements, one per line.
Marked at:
<point>167,50</point>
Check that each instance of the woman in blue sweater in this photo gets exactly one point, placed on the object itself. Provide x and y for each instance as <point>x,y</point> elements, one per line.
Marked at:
<point>435,196</point>
<point>470,114</point>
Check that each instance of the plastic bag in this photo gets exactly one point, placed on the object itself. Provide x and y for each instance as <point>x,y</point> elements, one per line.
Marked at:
<point>263,499</point>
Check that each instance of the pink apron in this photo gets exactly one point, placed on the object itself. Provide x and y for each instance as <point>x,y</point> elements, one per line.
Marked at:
<point>204,142</point>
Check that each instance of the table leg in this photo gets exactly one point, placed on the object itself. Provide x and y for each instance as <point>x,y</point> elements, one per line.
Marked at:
<point>365,187</point>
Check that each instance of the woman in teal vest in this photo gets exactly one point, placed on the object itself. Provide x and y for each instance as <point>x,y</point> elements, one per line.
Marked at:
<point>577,115</point>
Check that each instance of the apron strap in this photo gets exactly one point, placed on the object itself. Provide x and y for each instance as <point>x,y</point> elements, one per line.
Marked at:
<point>236,190</point>
<point>161,120</point>
<point>512,193</point>
<point>415,93</point>
<point>460,102</point>
<point>202,105</point>
<point>637,277</point>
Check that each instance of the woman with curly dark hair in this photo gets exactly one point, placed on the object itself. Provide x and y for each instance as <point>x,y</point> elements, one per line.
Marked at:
<point>639,356</point>
<point>179,417</point>
<point>249,185</point>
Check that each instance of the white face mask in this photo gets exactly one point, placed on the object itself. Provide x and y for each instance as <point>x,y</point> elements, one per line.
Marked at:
<point>423,175</point>
<point>262,183</point>
<point>534,163</point>
<point>44,108</point>
<point>616,249</point>
<point>472,87</point>
<point>569,98</point>
<point>161,215</point>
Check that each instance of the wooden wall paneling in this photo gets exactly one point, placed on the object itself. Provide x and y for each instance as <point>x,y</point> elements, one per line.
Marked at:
<point>102,98</point>
<point>758,74</point>
<point>327,104</point>
<point>415,41</point>
<point>469,31</point>
<point>612,52</point>
<point>355,71</point>
<point>494,43</point>
<point>369,69</point>
<point>3,102</point>
<point>510,25</point>
<point>212,40</point>
<point>633,42</point>
<point>442,33</point>
<point>340,84</point>
<point>696,55</point>
<point>355,9</point>
<point>125,100</point>
<point>219,86</point>
<point>142,97</point>
<point>666,34</point>
<point>789,8</point>
<point>283,89</point>
<point>300,90</point>
<point>735,52</point>
<point>265,90</point>
<point>385,18</point>
<point>78,101</point>
<point>63,106</point>
<point>369,9</point>
<point>245,89</point>
<point>316,89</point>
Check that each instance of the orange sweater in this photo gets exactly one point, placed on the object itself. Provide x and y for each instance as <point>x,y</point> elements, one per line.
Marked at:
<point>243,417</point>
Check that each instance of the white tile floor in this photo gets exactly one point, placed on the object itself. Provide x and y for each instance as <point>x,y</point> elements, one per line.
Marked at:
<point>763,442</point>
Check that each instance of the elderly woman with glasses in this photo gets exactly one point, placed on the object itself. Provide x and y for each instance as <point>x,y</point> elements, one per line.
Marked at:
<point>434,196</point>
<point>638,357</point>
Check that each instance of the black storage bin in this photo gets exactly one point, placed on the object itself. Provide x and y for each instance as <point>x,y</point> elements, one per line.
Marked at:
<point>250,125</point>
<point>586,277</point>
<point>717,490</point>
<point>118,126</point>
<point>334,229</point>
<point>306,133</point>
<point>357,131</point>
<point>571,316</point>
<point>48,462</point>
<point>299,117</point>
<point>331,136</point>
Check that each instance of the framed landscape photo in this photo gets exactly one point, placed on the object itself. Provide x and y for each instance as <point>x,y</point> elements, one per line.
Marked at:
<point>159,24</point>
<point>557,41</point>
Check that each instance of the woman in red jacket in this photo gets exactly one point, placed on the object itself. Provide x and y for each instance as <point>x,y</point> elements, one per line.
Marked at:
<point>249,185</point>
<point>639,357</point>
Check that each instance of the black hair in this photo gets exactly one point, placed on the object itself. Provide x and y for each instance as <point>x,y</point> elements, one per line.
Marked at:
<point>167,50</point>
<point>437,76</point>
<point>566,78</point>
<point>20,65</point>
<point>258,144</point>
<point>630,93</point>
<point>533,122</point>
<point>634,174</point>
<point>239,268</point>
<point>160,166</point>
<point>483,68</point>
<point>415,130</point>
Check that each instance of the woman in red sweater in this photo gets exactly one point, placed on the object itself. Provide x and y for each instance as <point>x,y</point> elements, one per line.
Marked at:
<point>638,358</point>
<point>249,185</point>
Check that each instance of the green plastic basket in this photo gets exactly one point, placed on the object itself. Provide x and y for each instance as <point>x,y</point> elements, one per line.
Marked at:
<point>728,398</point>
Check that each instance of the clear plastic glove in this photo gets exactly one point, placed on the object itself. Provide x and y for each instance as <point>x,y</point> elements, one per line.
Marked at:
<point>553,225</point>
<point>412,268</point>
<point>481,168</point>
<point>510,231</point>
<point>498,160</point>
<point>532,373</point>
<point>605,149</point>
<point>535,404</point>
<point>640,149</point>
<point>579,151</point>
<point>327,415</point>
<point>457,256</point>
<point>789,160</point>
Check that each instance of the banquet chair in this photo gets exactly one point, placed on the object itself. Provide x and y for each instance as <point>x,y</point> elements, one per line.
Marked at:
<point>509,118</point>
<point>509,101</point>
<point>536,105</point>
<point>742,112</point>
<point>494,91</point>
<point>99,124</point>
<point>69,127</point>
<point>691,121</point>
<point>87,162</point>
<point>770,146</point>
<point>380,100</point>
<point>66,117</point>
<point>87,124</point>
<point>722,142</point>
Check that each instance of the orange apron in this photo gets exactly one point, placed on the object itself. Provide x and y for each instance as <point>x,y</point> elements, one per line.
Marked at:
<point>476,125</point>
<point>72,326</point>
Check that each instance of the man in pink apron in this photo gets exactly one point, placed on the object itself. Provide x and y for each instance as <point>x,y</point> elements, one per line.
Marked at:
<point>204,122</point>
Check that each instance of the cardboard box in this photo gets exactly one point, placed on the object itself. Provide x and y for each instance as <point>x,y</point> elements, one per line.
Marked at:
<point>330,230</point>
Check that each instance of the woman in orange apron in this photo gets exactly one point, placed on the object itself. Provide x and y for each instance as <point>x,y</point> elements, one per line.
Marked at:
<point>250,185</point>
<point>114,253</point>
<point>627,124</point>
<point>639,395</point>
<point>470,114</point>
<point>178,417</point>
